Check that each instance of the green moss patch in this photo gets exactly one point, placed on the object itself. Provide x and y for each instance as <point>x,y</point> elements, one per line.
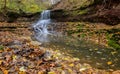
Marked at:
<point>1,47</point>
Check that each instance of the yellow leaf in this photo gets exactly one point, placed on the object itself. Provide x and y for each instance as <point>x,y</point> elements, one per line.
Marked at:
<point>76,59</point>
<point>71,65</point>
<point>51,73</point>
<point>82,69</point>
<point>70,70</point>
<point>14,57</point>
<point>1,62</point>
<point>22,69</point>
<point>114,52</point>
<point>66,59</point>
<point>96,49</point>
<point>109,62</point>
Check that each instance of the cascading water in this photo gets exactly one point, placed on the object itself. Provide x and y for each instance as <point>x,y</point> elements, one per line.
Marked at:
<point>54,1</point>
<point>41,27</point>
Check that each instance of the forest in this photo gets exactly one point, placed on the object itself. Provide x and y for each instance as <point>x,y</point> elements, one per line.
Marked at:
<point>59,36</point>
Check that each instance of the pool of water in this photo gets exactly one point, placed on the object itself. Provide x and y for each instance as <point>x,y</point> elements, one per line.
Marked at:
<point>97,55</point>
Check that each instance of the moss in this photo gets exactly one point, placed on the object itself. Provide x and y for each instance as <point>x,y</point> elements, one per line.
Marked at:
<point>1,47</point>
<point>113,40</point>
<point>77,29</point>
<point>83,35</point>
<point>27,6</point>
<point>83,12</point>
<point>113,44</point>
<point>70,32</point>
<point>79,12</point>
<point>80,26</point>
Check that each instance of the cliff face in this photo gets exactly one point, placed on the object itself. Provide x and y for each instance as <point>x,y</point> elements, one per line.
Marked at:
<point>107,11</point>
<point>10,10</point>
<point>72,4</point>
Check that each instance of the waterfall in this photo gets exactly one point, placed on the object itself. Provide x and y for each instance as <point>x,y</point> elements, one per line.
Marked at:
<point>41,27</point>
<point>54,1</point>
<point>45,15</point>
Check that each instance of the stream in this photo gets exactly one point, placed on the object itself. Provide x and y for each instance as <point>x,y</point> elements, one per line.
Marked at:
<point>97,56</point>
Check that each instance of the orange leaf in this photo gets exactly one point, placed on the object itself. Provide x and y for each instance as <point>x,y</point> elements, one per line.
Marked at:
<point>5,71</point>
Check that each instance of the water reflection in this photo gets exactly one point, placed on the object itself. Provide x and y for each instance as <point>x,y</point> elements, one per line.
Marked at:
<point>97,55</point>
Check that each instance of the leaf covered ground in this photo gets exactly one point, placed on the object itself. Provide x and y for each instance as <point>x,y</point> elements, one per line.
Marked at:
<point>19,54</point>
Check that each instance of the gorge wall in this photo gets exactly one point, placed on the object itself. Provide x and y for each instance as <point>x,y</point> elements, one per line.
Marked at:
<point>107,11</point>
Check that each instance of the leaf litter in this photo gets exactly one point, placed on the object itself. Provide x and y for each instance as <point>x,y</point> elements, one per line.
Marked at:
<point>21,55</point>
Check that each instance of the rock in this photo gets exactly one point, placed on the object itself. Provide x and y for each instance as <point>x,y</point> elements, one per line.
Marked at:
<point>35,43</point>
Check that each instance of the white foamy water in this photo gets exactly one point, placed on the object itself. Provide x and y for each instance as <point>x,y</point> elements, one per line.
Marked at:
<point>54,1</point>
<point>41,27</point>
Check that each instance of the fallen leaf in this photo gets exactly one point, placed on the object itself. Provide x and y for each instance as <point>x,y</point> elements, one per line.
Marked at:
<point>8,58</point>
<point>66,59</point>
<point>71,65</point>
<point>39,62</point>
<point>1,62</point>
<point>51,73</point>
<point>8,49</point>
<point>41,72</point>
<point>70,70</point>
<point>22,69</point>
<point>76,59</point>
<point>14,57</point>
<point>52,64</point>
<point>114,52</point>
<point>96,49</point>
<point>63,72</point>
<point>1,72</point>
<point>21,72</point>
<point>1,51</point>
<point>109,62</point>
<point>82,69</point>
<point>5,71</point>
